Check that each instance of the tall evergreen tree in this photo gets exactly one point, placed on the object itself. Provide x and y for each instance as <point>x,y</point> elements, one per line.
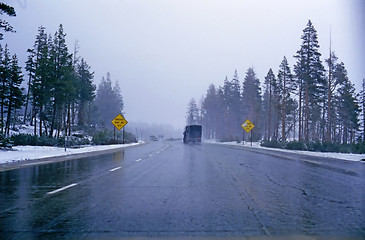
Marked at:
<point>15,97</point>
<point>63,90</point>
<point>286,86</point>
<point>236,107</point>
<point>210,112</point>
<point>227,107</point>
<point>192,114</point>
<point>270,106</point>
<point>86,90</point>
<point>348,107</point>
<point>29,67</point>
<point>232,108</point>
<point>252,102</point>
<point>118,98</point>
<point>108,103</point>
<point>332,84</point>
<point>362,104</point>
<point>311,81</point>
<point>5,77</point>
<point>39,68</point>
<point>221,129</point>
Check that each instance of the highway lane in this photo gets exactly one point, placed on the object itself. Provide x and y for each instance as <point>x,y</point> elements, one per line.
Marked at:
<point>168,189</point>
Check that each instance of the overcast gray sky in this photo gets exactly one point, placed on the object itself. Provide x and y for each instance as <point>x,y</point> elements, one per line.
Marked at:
<point>165,52</point>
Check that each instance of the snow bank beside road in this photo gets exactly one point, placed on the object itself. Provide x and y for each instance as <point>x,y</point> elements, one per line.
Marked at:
<point>24,153</point>
<point>343,156</point>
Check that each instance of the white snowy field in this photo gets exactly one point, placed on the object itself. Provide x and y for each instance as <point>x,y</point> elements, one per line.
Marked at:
<point>343,156</point>
<point>27,153</point>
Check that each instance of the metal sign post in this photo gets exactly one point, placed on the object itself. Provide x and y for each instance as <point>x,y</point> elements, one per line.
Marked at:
<point>119,122</point>
<point>243,137</point>
<point>251,138</point>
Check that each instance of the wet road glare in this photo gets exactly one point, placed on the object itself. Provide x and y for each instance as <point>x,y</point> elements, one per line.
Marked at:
<point>171,190</point>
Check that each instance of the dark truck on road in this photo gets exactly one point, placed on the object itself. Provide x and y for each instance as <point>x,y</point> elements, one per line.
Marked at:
<point>193,134</point>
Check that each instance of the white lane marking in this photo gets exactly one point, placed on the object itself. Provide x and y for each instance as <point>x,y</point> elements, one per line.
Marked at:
<point>150,155</point>
<point>139,160</point>
<point>158,152</point>
<point>63,188</point>
<point>115,169</point>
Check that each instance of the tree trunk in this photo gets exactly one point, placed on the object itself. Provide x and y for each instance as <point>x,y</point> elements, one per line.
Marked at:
<point>329,99</point>
<point>27,101</point>
<point>69,119</point>
<point>7,125</point>
<point>2,110</point>
<point>40,120</point>
<point>363,108</point>
<point>53,119</point>
<point>306,127</point>
<point>283,137</point>
<point>300,112</point>
<point>269,115</point>
<point>35,120</point>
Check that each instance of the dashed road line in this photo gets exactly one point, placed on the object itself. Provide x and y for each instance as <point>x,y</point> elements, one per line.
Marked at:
<point>62,189</point>
<point>138,160</point>
<point>114,169</point>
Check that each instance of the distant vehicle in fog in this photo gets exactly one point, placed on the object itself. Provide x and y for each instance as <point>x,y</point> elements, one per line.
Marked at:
<point>153,138</point>
<point>193,134</point>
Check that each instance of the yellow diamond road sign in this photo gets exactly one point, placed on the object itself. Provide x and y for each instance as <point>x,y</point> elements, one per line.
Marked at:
<point>119,122</point>
<point>248,125</point>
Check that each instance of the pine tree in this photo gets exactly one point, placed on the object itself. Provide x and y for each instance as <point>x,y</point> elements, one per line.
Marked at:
<point>5,77</point>
<point>63,90</point>
<point>252,102</point>
<point>221,129</point>
<point>210,112</point>
<point>10,11</point>
<point>236,108</point>
<point>192,114</point>
<point>39,69</point>
<point>2,90</point>
<point>286,87</point>
<point>227,107</point>
<point>86,90</point>
<point>348,107</point>
<point>270,106</point>
<point>30,68</point>
<point>15,98</point>
<point>310,79</point>
<point>362,104</point>
<point>332,83</point>
<point>108,103</point>
<point>118,98</point>
<point>335,78</point>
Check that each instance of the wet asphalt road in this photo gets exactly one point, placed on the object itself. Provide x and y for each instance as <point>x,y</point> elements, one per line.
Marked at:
<point>168,189</point>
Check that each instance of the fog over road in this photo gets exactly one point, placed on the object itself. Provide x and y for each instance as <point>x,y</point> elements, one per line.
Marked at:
<point>171,189</point>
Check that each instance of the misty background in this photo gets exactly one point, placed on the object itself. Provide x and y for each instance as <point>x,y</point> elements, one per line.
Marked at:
<point>165,52</point>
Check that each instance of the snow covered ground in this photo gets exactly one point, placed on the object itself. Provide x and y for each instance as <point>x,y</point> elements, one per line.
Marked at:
<point>343,156</point>
<point>25,153</point>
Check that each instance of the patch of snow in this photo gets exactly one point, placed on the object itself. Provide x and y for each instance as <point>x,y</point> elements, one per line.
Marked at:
<point>24,153</point>
<point>343,156</point>
<point>23,129</point>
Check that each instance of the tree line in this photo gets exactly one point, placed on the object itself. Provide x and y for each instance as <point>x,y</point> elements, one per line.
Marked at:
<point>60,95</point>
<point>311,102</point>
